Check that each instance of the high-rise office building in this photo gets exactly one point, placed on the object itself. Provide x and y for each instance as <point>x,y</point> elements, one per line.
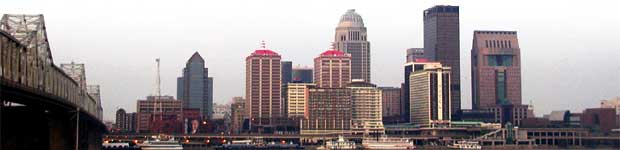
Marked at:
<point>366,115</point>
<point>409,68</point>
<point>415,53</point>
<point>287,72</point>
<point>263,86</point>
<point>390,97</point>
<point>195,87</point>
<point>332,69</point>
<point>441,44</point>
<point>302,75</point>
<point>496,69</point>
<point>351,38</point>
<point>328,111</point>
<point>430,96</point>
<point>296,100</point>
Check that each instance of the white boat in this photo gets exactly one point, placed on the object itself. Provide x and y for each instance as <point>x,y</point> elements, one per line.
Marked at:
<point>465,145</point>
<point>340,144</point>
<point>385,142</point>
<point>161,143</point>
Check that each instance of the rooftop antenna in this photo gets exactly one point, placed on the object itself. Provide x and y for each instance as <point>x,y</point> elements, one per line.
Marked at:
<point>158,82</point>
<point>158,103</point>
<point>263,45</point>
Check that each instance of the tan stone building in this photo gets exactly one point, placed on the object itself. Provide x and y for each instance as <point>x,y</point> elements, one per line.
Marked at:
<point>296,99</point>
<point>366,112</point>
<point>430,95</point>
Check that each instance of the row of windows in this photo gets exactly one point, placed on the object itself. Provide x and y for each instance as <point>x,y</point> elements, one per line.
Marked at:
<point>498,43</point>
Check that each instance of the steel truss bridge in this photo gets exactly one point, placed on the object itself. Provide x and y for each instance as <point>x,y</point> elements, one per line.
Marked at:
<point>41,107</point>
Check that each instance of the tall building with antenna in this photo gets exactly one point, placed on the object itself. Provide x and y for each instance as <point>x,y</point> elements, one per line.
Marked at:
<point>195,87</point>
<point>263,86</point>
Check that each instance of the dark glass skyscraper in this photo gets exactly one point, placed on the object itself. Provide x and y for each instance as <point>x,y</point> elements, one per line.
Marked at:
<point>287,68</point>
<point>441,44</point>
<point>195,87</point>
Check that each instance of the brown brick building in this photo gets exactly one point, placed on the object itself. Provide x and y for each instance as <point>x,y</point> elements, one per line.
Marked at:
<point>496,69</point>
<point>264,105</point>
<point>332,68</point>
<point>328,111</point>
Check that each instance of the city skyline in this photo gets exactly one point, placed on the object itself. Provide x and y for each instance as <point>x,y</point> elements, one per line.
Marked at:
<point>555,69</point>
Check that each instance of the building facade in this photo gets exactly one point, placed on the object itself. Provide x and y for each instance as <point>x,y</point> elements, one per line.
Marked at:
<point>430,96</point>
<point>390,97</point>
<point>195,87</point>
<point>366,112</point>
<point>302,75</point>
<point>296,100</point>
<point>409,68</point>
<point>442,44</point>
<point>287,72</point>
<point>496,69</point>
<point>351,38</point>
<point>159,114</point>
<point>263,104</point>
<point>237,115</point>
<point>332,68</point>
<point>328,111</point>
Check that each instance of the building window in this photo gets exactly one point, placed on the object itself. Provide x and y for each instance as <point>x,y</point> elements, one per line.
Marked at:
<point>500,87</point>
<point>499,60</point>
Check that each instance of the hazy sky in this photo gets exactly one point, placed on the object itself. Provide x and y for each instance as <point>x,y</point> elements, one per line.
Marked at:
<point>570,59</point>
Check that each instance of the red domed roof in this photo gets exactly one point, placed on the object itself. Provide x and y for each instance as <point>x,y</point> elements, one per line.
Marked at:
<point>264,52</point>
<point>333,52</point>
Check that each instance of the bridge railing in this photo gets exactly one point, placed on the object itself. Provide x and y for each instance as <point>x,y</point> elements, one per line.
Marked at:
<point>21,66</point>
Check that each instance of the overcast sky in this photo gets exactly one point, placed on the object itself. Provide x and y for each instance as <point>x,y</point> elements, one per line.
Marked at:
<point>570,59</point>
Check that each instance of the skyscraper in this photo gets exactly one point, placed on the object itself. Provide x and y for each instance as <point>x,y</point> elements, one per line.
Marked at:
<point>332,68</point>
<point>496,69</point>
<point>351,38</point>
<point>263,88</point>
<point>366,115</point>
<point>195,87</point>
<point>441,43</point>
<point>430,95</point>
<point>287,72</point>
<point>409,68</point>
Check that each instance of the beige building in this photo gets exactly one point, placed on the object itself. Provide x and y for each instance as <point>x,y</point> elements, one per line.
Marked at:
<point>430,95</point>
<point>612,103</point>
<point>296,99</point>
<point>366,112</point>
